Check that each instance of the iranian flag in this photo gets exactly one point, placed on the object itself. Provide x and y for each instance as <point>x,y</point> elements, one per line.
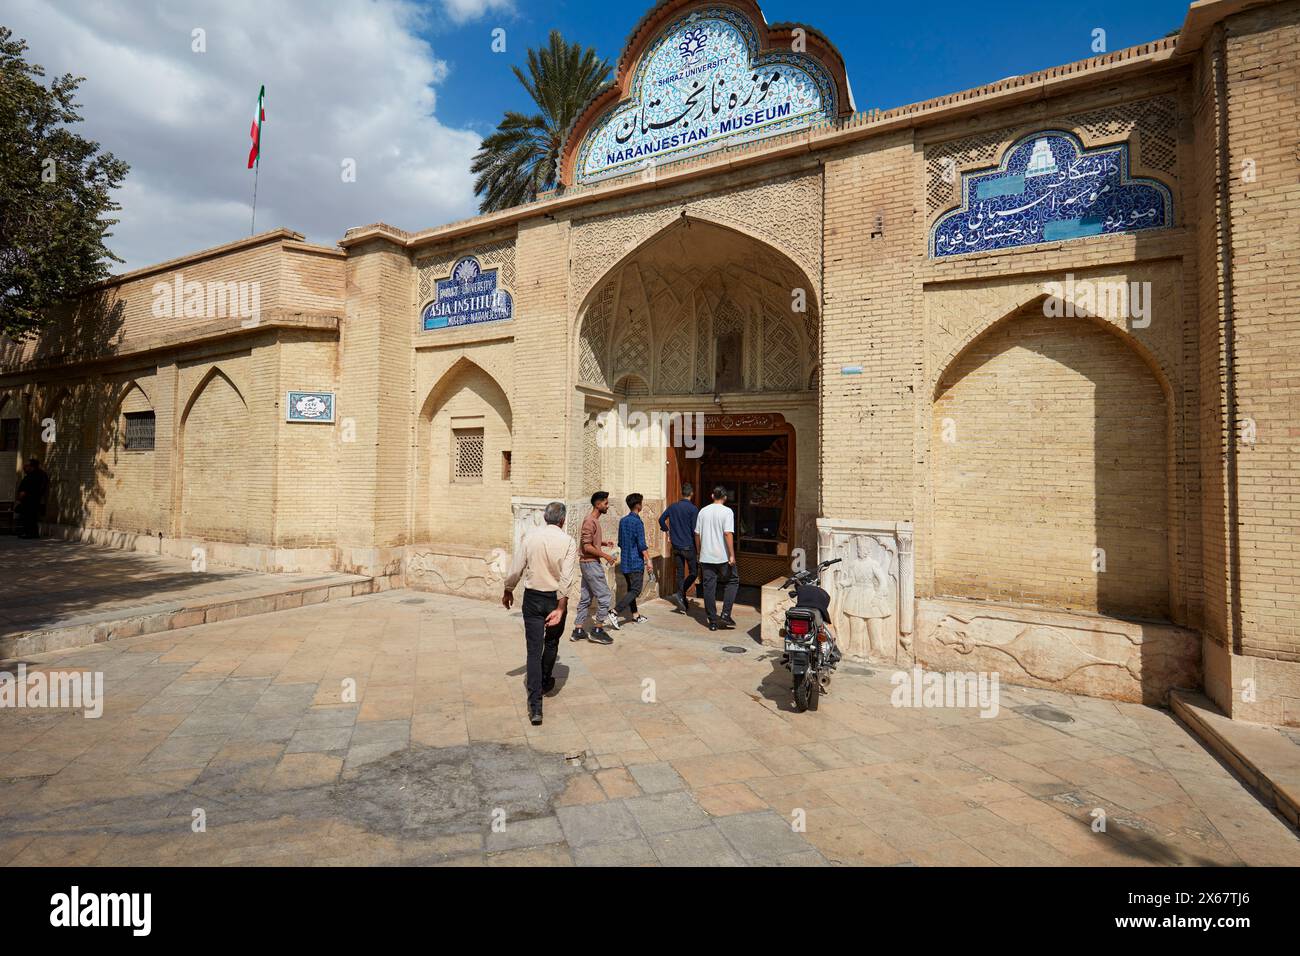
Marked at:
<point>255,153</point>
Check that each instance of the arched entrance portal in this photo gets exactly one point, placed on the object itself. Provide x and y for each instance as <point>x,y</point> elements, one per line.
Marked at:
<point>755,457</point>
<point>712,336</point>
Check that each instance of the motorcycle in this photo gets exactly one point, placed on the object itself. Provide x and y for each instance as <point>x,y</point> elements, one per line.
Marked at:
<point>810,649</point>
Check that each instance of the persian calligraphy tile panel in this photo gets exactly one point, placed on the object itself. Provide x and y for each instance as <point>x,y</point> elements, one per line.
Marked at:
<point>1049,188</point>
<point>1154,120</point>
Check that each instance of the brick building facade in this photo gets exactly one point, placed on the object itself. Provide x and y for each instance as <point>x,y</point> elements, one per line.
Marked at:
<point>1028,354</point>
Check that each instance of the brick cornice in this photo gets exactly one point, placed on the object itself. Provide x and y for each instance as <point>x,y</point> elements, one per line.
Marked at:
<point>206,333</point>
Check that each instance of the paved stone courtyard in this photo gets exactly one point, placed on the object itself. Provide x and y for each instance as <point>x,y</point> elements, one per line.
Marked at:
<point>249,721</point>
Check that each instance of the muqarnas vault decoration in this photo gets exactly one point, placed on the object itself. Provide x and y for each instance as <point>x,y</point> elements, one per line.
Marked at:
<point>1049,188</point>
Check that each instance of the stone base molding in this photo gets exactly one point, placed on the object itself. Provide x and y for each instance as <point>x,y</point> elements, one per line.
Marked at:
<point>449,569</point>
<point>1262,690</point>
<point>252,557</point>
<point>1060,650</point>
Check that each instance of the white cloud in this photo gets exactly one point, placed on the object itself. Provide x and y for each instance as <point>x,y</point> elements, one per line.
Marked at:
<point>343,81</point>
<point>463,11</point>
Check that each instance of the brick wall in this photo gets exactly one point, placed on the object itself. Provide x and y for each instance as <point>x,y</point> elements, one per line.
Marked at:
<point>306,492</point>
<point>1050,471</point>
<point>1262,74</point>
<point>375,390</point>
<point>128,475</point>
<point>872,241</point>
<point>545,455</point>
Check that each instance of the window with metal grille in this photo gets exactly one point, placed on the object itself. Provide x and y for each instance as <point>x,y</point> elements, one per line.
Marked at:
<point>468,463</point>
<point>139,431</point>
<point>505,466</point>
<point>8,434</point>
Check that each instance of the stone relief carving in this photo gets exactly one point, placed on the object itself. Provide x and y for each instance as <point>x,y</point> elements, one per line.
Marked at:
<point>863,599</point>
<point>1051,654</point>
<point>1077,653</point>
<point>871,588</point>
<point>775,603</point>
<point>457,574</point>
<point>527,514</point>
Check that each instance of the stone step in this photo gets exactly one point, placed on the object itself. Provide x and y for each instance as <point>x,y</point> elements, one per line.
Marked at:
<point>1267,759</point>
<point>136,620</point>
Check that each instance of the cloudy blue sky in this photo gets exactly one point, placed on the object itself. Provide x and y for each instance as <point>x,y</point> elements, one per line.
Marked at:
<point>407,88</point>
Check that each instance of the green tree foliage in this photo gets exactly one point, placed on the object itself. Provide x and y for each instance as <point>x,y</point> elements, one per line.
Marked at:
<point>521,159</point>
<point>55,189</point>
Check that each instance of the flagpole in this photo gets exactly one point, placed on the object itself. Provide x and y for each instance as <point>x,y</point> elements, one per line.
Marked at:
<point>257,167</point>
<point>256,170</point>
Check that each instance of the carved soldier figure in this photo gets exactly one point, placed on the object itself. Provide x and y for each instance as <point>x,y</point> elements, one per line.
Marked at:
<point>863,603</point>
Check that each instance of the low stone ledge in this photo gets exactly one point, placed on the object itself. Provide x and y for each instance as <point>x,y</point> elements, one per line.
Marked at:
<point>1258,753</point>
<point>175,617</point>
<point>250,557</point>
<point>1076,653</point>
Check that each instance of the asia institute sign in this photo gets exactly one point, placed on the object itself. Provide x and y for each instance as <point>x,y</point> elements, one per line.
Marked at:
<point>469,296</point>
<point>704,83</point>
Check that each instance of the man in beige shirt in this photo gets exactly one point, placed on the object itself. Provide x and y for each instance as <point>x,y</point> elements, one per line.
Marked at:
<point>546,560</point>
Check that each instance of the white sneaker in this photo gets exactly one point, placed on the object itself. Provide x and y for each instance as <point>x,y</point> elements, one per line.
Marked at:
<point>612,621</point>
<point>640,619</point>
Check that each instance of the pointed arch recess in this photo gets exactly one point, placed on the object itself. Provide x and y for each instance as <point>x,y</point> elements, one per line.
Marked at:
<point>596,328</point>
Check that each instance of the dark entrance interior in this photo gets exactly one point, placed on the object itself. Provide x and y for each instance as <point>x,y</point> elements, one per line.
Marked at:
<point>753,457</point>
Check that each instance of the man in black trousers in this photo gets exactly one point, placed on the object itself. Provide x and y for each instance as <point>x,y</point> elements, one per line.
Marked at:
<point>678,520</point>
<point>547,560</point>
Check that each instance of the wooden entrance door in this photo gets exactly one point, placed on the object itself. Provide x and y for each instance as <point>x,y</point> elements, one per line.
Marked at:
<point>762,484</point>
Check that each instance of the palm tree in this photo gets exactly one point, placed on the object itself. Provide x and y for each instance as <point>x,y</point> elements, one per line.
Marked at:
<point>521,159</point>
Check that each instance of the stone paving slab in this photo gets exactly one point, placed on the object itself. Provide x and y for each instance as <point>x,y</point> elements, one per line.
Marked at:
<point>56,594</point>
<point>392,729</point>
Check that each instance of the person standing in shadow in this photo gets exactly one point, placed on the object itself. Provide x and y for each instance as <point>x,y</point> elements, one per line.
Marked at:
<point>30,499</point>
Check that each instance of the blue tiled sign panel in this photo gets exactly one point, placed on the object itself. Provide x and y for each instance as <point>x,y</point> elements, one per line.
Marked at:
<point>1049,188</point>
<point>701,84</point>
<point>309,407</point>
<point>467,297</point>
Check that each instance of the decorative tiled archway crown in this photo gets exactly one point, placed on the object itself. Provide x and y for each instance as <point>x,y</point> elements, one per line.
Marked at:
<point>681,88</point>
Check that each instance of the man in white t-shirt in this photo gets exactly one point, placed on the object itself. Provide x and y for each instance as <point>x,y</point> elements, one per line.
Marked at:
<point>715,543</point>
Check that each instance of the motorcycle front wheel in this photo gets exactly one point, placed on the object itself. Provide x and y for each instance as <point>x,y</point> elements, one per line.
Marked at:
<point>807,689</point>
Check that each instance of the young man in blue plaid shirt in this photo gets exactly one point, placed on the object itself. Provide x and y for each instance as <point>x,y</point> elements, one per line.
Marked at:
<point>633,554</point>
